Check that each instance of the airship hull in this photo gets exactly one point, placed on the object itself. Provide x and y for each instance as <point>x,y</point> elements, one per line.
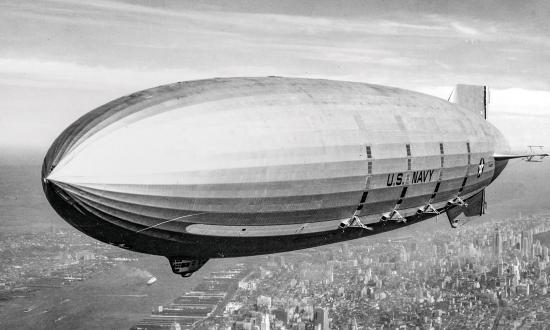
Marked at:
<point>243,166</point>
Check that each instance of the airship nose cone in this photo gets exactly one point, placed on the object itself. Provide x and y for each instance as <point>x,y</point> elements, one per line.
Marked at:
<point>60,197</point>
<point>61,175</point>
<point>64,202</point>
<point>52,192</point>
<point>104,150</point>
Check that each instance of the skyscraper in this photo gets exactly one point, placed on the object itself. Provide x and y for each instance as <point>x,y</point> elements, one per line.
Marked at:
<point>497,244</point>
<point>531,243</point>
<point>403,256</point>
<point>525,247</point>
<point>352,324</point>
<point>264,325</point>
<point>321,317</point>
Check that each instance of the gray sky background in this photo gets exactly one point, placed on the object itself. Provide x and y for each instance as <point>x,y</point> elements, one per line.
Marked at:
<point>60,59</point>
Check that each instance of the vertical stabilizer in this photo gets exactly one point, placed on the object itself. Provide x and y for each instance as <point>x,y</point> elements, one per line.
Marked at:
<point>471,97</point>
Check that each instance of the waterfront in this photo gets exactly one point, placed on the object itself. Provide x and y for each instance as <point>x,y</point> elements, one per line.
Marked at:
<point>491,275</point>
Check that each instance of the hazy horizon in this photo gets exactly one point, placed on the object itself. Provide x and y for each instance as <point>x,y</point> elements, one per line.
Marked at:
<point>63,58</point>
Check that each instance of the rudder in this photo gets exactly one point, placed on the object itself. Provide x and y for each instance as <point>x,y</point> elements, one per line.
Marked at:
<point>471,97</point>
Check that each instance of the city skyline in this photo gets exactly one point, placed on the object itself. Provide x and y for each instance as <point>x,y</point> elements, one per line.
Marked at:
<point>475,277</point>
<point>62,58</point>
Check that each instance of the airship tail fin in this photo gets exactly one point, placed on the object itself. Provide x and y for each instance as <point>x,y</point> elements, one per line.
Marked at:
<point>471,97</point>
<point>474,206</point>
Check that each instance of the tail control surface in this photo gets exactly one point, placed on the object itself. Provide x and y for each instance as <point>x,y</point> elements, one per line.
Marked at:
<point>534,155</point>
<point>471,97</point>
<point>474,206</point>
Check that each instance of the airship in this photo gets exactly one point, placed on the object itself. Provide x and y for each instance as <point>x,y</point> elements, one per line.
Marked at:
<point>230,167</point>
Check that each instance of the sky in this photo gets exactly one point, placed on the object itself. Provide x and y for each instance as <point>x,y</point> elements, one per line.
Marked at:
<point>62,58</point>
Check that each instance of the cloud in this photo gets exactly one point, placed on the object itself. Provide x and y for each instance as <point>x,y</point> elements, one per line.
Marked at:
<point>123,35</point>
<point>467,30</point>
<point>40,73</point>
<point>113,47</point>
<point>508,101</point>
<point>522,115</point>
<point>412,26</point>
<point>519,97</point>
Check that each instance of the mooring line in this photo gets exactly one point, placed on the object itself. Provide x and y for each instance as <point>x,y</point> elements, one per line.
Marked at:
<point>160,223</point>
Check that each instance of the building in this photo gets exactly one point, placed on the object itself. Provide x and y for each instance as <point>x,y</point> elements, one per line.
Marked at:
<point>352,324</point>
<point>497,244</point>
<point>263,301</point>
<point>175,326</point>
<point>264,325</point>
<point>320,318</point>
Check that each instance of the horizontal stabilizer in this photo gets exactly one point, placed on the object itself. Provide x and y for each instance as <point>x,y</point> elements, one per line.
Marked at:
<point>528,157</point>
